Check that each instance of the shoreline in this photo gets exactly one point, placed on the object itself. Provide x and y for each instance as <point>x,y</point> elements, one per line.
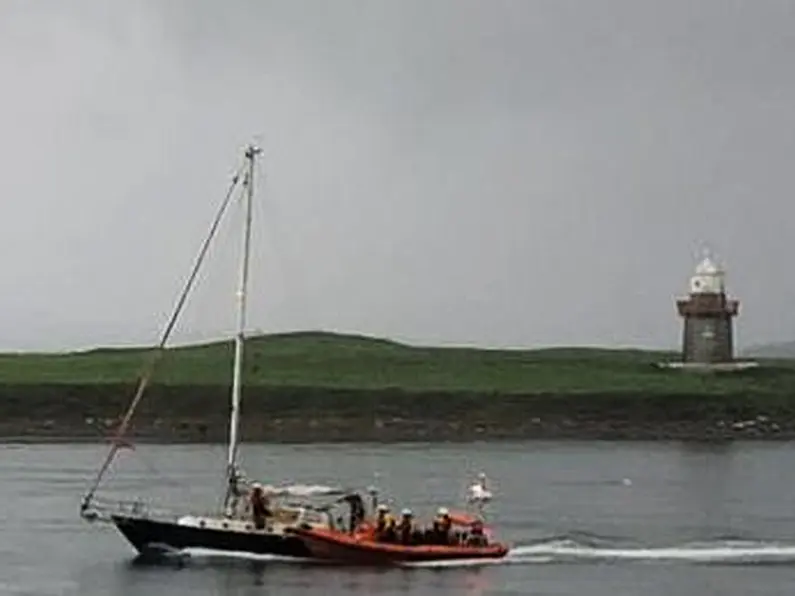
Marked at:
<point>35,440</point>
<point>173,414</point>
<point>294,415</point>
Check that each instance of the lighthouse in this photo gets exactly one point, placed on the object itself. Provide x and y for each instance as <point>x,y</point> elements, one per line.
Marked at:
<point>708,333</point>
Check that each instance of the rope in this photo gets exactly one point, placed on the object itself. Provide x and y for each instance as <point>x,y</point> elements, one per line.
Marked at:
<point>157,353</point>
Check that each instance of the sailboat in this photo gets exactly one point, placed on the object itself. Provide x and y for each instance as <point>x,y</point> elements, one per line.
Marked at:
<point>153,531</point>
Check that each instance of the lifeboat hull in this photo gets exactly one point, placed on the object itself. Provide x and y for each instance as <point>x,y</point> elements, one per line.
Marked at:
<point>361,549</point>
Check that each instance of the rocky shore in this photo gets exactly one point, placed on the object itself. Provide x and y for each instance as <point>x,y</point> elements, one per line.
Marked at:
<point>33,413</point>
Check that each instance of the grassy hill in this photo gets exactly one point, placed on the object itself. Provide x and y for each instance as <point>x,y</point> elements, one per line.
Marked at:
<point>327,360</point>
<point>328,387</point>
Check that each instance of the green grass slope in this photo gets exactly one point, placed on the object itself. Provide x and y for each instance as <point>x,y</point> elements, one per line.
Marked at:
<point>327,360</point>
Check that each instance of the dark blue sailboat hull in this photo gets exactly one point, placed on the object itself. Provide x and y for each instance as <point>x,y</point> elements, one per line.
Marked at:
<point>149,536</point>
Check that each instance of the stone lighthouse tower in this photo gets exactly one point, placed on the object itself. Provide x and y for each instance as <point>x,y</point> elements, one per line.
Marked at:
<point>708,335</point>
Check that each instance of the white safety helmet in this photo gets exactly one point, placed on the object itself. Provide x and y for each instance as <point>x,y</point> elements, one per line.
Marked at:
<point>406,512</point>
<point>443,511</point>
<point>383,508</point>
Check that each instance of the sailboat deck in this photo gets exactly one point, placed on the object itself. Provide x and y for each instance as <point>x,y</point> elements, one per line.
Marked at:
<point>282,517</point>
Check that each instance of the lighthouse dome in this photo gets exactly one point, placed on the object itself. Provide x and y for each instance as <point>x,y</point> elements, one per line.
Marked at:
<point>708,278</point>
<point>707,267</point>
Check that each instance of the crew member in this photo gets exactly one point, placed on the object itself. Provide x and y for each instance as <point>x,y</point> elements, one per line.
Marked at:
<point>442,525</point>
<point>385,527</point>
<point>405,527</point>
<point>384,524</point>
<point>381,519</point>
<point>390,532</point>
<point>259,506</point>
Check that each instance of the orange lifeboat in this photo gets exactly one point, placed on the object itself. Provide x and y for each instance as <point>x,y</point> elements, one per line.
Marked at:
<point>361,548</point>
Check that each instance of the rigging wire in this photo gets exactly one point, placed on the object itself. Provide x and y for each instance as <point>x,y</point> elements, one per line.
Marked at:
<point>157,353</point>
<point>150,467</point>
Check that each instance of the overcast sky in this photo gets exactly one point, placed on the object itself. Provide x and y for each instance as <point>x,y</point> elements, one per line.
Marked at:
<point>495,173</point>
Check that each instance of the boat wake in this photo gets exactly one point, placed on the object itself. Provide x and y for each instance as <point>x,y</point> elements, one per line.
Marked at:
<point>570,551</point>
<point>738,552</point>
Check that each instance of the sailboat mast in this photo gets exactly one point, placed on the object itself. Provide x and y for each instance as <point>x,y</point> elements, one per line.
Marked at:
<point>234,419</point>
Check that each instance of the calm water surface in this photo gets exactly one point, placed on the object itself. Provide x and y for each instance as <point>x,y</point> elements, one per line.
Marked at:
<point>586,518</point>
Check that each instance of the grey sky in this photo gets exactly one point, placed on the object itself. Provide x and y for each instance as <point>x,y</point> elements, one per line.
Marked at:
<point>496,173</point>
